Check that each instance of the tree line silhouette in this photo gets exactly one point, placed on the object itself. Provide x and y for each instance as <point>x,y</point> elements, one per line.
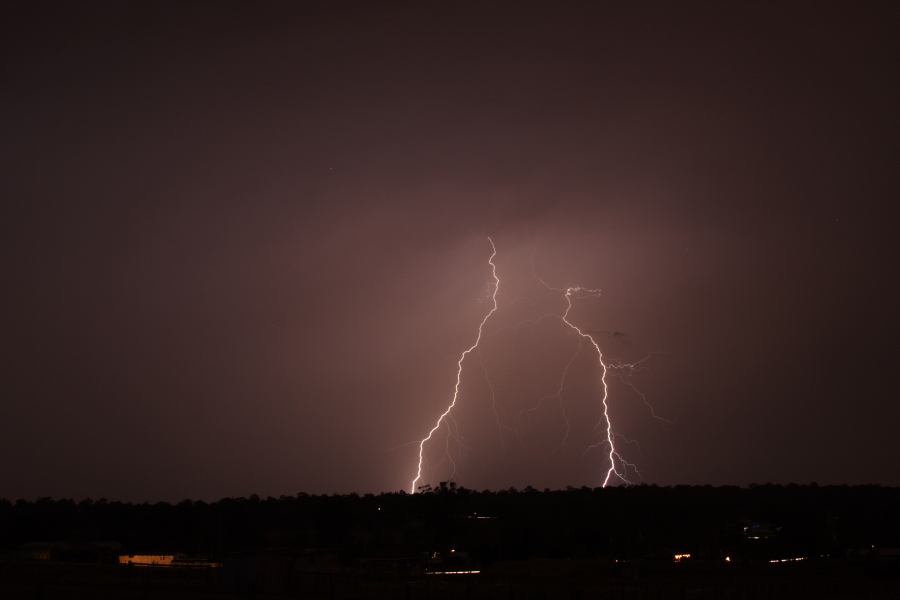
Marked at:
<point>620,522</point>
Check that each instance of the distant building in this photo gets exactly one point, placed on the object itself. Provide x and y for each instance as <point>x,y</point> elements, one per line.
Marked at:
<point>167,560</point>
<point>147,560</point>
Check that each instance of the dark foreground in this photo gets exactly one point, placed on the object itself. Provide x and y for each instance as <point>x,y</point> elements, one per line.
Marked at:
<point>637,542</point>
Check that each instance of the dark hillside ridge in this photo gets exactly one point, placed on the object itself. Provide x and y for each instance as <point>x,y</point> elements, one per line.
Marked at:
<point>625,523</point>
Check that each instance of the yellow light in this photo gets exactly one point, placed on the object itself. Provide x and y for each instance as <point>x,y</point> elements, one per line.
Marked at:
<point>787,560</point>
<point>147,560</point>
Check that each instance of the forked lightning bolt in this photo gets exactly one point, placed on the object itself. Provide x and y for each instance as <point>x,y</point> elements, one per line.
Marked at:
<point>614,455</point>
<point>459,368</point>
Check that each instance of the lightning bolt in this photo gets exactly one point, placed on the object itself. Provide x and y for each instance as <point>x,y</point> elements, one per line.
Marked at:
<point>613,454</point>
<point>569,294</point>
<point>459,369</point>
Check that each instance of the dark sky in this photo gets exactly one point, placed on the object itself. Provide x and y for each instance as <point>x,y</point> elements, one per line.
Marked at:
<point>244,243</point>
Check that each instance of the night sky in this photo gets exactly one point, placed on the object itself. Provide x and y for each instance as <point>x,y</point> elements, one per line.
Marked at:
<point>245,243</point>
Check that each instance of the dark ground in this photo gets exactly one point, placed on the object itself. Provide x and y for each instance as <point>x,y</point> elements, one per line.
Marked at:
<point>577,543</point>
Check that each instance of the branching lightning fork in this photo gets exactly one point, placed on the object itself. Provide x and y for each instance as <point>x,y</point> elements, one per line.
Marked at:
<point>605,422</point>
<point>459,368</point>
<point>618,466</point>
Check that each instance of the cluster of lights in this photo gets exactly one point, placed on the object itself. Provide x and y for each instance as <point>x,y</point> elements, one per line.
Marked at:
<point>453,572</point>
<point>681,557</point>
<point>147,560</point>
<point>166,560</point>
<point>787,560</point>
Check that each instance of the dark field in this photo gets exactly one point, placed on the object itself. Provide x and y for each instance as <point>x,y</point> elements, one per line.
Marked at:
<point>758,542</point>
